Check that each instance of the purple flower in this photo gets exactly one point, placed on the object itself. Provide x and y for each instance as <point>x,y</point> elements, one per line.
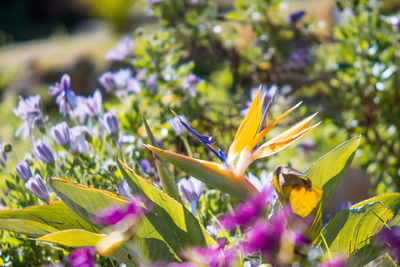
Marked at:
<point>28,109</point>
<point>23,170</point>
<point>265,235</point>
<point>107,81</point>
<point>268,92</point>
<point>124,189</point>
<point>121,77</point>
<point>191,189</point>
<point>210,256</point>
<point>212,231</point>
<point>339,261</point>
<point>390,237</point>
<point>296,16</point>
<point>121,50</point>
<point>176,126</point>
<point>247,212</point>
<point>42,151</point>
<point>65,97</point>
<point>37,186</point>
<point>79,111</point>
<point>189,84</point>
<point>307,146</point>
<point>298,59</point>
<point>78,140</point>
<point>60,133</point>
<point>110,123</point>
<point>264,183</point>
<point>115,214</point>
<point>146,166</point>
<point>151,82</point>
<point>84,257</point>
<point>133,85</point>
<point>93,104</point>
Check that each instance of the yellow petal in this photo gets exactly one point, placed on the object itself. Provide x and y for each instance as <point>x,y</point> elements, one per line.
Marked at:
<point>248,128</point>
<point>284,139</point>
<point>215,175</point>
<point>260,136</point>
<point>303,200</point>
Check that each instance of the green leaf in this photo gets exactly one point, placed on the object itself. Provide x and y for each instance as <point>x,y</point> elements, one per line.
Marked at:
<point>167,181</point>
<point>82,238</point>
<point>30,228</point>
<point>328,171</point>
<point>55,214</point>
<point>87,202</point>
<point>351,229</point>
<point>178,227</point>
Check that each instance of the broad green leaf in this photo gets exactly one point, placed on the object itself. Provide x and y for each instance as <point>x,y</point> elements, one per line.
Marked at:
<point>55,214</point>
<point>82,238</point>
<point>178,227</point>
<point>30,228</point>
<point>351,229</point>
<point>328,171</point>
<point>87,202</point>
<point>167,181</point>
<point>210,173</point>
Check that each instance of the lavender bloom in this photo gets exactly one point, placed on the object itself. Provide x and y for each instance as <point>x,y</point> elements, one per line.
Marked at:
<point>42,151</point>
<point>79,111</point>
<point>265,235</point>
<point>339,261</point>
<point>210,256</point>
<point>264,183</point>
<point>65,98</point>
<point>146,166</point>
<point>78,140</point>
<point>247,212</point>
<point>60,133</point>
<point>23,170</point>
<point>107,81</point>
<point>133,85</point>
<point>307,146</point>
<point>390,237</point>
<point>93,104</point>
<point>28,109</point>
<point>151,82</point>
<point>212,231</point>
<point>121,50</point>
<point>84,257</point>
<point>189,84</point>
<point>110,123</point>
<point>176,126</point>
<point>124,189</point>
<point>37,186</point>
<point>298,59</point>
<point>191,189</point>
<point>295,16</point>
<point>115,214</point>
<point>268,92</point>
<point>121,77</point>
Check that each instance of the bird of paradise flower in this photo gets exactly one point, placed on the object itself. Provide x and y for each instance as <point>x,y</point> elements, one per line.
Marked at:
<point>229,175</point>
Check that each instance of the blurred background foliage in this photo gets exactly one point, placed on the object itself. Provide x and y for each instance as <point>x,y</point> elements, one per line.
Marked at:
<point>340,57</point>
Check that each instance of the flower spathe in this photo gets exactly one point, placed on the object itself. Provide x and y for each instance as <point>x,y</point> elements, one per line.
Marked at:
<point>244,148</point>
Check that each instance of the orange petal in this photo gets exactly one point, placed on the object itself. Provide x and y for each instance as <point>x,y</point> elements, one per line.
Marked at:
<point>248,128</point>
<point>215,175</point>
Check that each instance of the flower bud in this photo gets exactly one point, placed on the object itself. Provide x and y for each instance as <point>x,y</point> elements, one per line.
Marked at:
<point>60,133</point>
<point>110,123</point>
<point>37,186</point>
<point>23,170</point>
<point>42,151</point>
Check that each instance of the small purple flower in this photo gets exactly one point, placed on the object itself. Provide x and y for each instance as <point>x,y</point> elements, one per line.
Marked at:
<point>23,170</point>
<point>264,183</point>
<point>124,189</point>
<point>298,59</point>
<point>121,77</point>
<point>60,133</point>
<point>212,231</point>
<point>121,50</point>
<point>79,111</point>
<point>110,123</point>
<point>247,212</point>
<point>296,16</point>
<point>93,104</point>
<point>28,109</point>
<point>42,151</point>
<point>107,81</point>
<point>133,86</point>
<point>78,140</point>
<point>176,126</point>
<point>191,189</point>
<point>390,237</point>
<point>37,186</point>
<point>268,92</point>
<point>189,84</point>
<point>265,235</point>
<point>146,166</point>
<point>210,256</point>
<point>151,82</point>
<point>84,257</point>
<point>339,261</point>
<point>115,214</point>
<point>65,97</point>
<point>307,146</point>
